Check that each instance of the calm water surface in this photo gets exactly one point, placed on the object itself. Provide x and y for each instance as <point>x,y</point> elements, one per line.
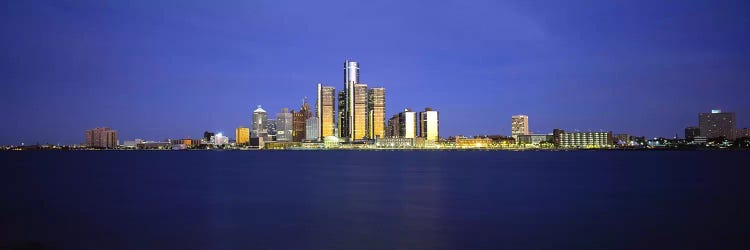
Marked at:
<point>374,200</point>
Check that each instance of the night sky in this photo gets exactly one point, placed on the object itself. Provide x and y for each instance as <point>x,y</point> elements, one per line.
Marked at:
<point>173,69</point>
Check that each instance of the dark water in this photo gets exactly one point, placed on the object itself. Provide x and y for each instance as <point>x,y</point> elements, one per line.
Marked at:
<point>375,200</point>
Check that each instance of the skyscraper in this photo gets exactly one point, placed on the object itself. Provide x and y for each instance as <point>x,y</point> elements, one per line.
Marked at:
<point>352,104</point>
<point>260,121</point>
<point>391,131</point>
<point>519,125</point>
<point>428,124</point>
<point>716,124</point>
<point>101,138</point>
<point>299,119</point>
<point>407,122</point>
<point>376,113</point>
<point>242,135</point>
<point>325,110</point>
<point>284,125</point>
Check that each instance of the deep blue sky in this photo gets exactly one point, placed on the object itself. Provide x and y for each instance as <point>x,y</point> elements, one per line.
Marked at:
<point>156,70</point>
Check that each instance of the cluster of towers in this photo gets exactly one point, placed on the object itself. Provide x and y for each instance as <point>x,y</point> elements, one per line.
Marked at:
<point>355,113</point>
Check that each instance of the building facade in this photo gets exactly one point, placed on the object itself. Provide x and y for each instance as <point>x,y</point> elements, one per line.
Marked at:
<point>407,124</point>
<point>692,132</point>
<point>716,124</point>
<point>519,125</point>
<point>260,123</point>
<point>242,135</point>
<point>429,125</point>
<point>533,139</point>
<point>391,130</point>
<point>325,110</point>
<point>376,113</point>
<point>299,120</point>
<point>284,125</point>
<point>101,138</point>
<point>311,129</point>
<point>585,139</point>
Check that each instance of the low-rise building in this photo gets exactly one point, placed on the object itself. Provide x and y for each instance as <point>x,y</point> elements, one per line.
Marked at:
<point>585,139</point>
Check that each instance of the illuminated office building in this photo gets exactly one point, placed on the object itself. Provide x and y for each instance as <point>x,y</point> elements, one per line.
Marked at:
<point>242,135</point>
<point>428,125</point>
<point>299,119</point>
<point>407,122</point>
<point>585,139</point>
<point>260,123</point>
<point>284,126</point>
<point>311,129</point>
<point>325,111</point>
<point>376,113</point>
<point>352,104</point>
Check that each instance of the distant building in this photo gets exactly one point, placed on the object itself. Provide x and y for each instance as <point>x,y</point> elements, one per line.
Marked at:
<point>260,123</point>
<point>692,132</point>
<point>284,126</point>
<point>101,138</point>
<point>533,139</point>
<point>462,142</point>
<point>519,125</point>
<point>391,130</point>
<point>394,142</point>
<point>585,139</point>
<point>428,125</point>
<point>376,113</point>
<point>219,140</point>
<point>242,135</point>
<point>271,130</point>
<point>716,124</point>
<point>623,138</point>
<point>740,133</point>
<point>299,127</point>
<point>407,122</point>
<point>311,126</point>
<point>325,110</point>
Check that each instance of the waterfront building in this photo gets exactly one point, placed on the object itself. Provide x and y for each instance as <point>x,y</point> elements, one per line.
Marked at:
<point>692,132</point>
<point>519,125</point>
<point>391,129</point>
<point>219,140</point>
<point>621,139</point>
<point>463,142</point>
<point>532,139</point>
<point>428,125</point>
<point>260,123</point>
<point>407,124</point>
<point>299,127</point>
<point>242,135</point>
<point>271,130</point>
<point>325,110</point>
<point>284,126</point>
<point>394,142</point>
<point>331,142</point>
<point>376,113</point>
<point>716,124</point>
<point>101,138</point>
<point>585,139</point>
<point>311,129</point>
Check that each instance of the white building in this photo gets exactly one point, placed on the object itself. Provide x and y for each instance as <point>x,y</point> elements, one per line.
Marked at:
<point>428,125</point>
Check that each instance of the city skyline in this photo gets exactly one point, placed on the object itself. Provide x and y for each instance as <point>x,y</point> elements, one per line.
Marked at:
<point>641,63</point>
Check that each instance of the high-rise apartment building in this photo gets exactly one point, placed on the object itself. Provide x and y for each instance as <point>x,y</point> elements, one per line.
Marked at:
<point>376,113</point>
<point>242,135</point>
<point>260,123</point>
<point>101,138</point>
<point>299,119</point>
<point>407,122</point>
<point>428,125</point>
<point>284,125</point>
<point>717,124</point>
<point>519,125</point>
<point>325,110</point>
